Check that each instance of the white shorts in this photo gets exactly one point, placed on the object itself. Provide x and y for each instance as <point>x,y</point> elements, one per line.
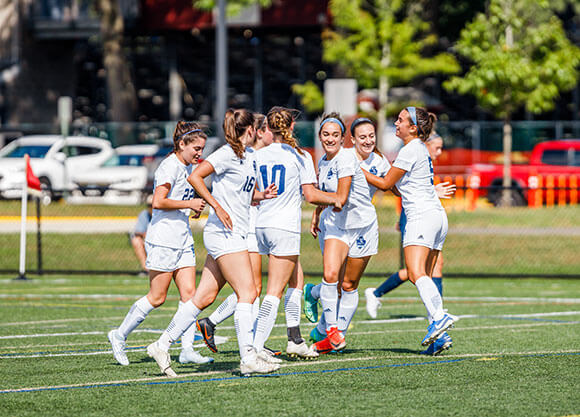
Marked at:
<point>252,243</point>
<point>219,243</point>
<point>361,242</point>
<point>429,230</point>
<point>164,259</point>
<point>277,242</point>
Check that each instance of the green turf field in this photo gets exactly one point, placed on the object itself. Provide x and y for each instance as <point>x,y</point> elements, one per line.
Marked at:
<point>516,353</point>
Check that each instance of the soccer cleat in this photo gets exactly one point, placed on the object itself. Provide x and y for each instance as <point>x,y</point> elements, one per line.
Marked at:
<point>265,356</point>
<point>436,328</point>
<point>207,330</point>
<point>322,347</point>
<point>444,342</point>
<point>251,364</point>
<point>190,355</point>
<point>162,358</point>
<point>373,302</point>
<point>118,346</point>
<point>272,352</point>
<point>336,339</point>
<point>301,350</point>
<point>316,336</point>
<point>310,304</point>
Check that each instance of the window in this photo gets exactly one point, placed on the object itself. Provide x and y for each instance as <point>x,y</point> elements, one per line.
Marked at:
<point>35,151</point>
<point>555,157</point>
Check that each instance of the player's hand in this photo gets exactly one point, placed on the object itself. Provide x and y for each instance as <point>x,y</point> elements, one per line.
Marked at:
<point>197,205</point>
<point>271,192</point>
<point>314,227</point>
<point>224,217</point>
<point>337,205</point>
<point>445,190</point>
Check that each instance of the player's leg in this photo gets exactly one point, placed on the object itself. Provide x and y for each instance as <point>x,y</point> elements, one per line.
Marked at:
<point>348,304</point>
<point>256,261</point>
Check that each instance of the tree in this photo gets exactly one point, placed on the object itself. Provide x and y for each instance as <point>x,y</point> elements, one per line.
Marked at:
<point>233,7</point>
<point>520,56</point>
<point>382,43</point>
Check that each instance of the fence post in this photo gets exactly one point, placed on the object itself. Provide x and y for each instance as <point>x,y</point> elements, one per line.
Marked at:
<point>573,189</point>
<point>550,196</point>
<point>540,192</point>
<point>561,190</point>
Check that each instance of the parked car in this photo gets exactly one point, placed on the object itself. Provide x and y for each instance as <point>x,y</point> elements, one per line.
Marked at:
<point>123,173</point>
<point>52,159</point>
<point>557,157</point>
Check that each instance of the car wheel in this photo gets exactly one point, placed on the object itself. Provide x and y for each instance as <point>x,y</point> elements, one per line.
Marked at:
<point>46,188</point>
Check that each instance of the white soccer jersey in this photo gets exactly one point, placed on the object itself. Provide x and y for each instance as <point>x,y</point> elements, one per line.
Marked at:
<point>358,210</point>
<point>281,164</point>
<point>416,185</point>
<point>376,165</point>
<point>170,228</point>
<point>233,188</point>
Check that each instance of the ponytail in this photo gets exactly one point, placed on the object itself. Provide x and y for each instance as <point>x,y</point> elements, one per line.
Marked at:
<point>236,122</point>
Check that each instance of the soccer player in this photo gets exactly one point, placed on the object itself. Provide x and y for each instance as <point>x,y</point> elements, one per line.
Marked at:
<point>426,228</point>
<point>169,242</point>
<point>278,225</point>
<point>348,238</point>
<point>224,237</point>
<point>434,146</point>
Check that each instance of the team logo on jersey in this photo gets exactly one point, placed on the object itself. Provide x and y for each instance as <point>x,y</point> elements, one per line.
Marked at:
<point>373,170</point>
<point>330,174</point>
<point>361,242</point>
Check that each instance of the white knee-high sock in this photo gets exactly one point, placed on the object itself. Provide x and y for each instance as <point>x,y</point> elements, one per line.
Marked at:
<point>266,320</point>
<point>244,328</point>
<point>188,337</point>
<point>321,325</point>
<point>137,313</point>
<point>225,309</point>
<point>346,309</point>
<point>255,312</point>
<point>328,299</point>
<point>292,306</point>
<point>430,296</point>
<point>315,292</point>
<point>184,317</point>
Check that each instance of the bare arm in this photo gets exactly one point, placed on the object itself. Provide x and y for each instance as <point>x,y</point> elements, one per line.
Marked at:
<point>270,192</point>
<point>161,202</point>
<point>314,196</point>
<point>388,181</point>
<point>314,222</point>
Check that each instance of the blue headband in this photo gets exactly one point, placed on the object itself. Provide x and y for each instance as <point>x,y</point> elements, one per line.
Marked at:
<point>359,121</point>
<point>332,120</point>
<point>413,113</point>
<point>187,133</point>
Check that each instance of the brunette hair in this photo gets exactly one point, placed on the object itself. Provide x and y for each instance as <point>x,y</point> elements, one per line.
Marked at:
<point>362,121</point>
<point>280,121</point>
<point>235,124</point>
<point>186,132</point>
<point>332,117</point>
<point>425,123</point>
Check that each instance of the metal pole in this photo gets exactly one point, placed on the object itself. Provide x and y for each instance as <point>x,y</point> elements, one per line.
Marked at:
<point>221,67</point>
<point>38,238</point>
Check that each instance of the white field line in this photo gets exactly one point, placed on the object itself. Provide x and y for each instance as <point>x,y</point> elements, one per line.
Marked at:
<point>286,365</point>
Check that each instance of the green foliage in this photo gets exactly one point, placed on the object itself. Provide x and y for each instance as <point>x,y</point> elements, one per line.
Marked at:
<point>310,95</point>
<point>540,63</point>
<point>371,41</point>
<point>233,7</point>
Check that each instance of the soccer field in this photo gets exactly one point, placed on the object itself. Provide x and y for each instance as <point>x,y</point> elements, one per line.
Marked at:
<point>516,352</point>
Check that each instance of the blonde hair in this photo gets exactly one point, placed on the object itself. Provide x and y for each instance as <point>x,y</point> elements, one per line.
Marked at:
<point>187,132</point>
<point>280,121</point>
<point>236,122</point>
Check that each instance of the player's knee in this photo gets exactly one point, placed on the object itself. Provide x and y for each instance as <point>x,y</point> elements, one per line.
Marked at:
<point>349,286</point>
<point>156,300</point>
<point>331,275</point>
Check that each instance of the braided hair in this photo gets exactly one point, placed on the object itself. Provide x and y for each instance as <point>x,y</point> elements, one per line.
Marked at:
<point>280,121</point>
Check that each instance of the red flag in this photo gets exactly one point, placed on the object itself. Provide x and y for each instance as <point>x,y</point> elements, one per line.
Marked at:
<point>31,180</point>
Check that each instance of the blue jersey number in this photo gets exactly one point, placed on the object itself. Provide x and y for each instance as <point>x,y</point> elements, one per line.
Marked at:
<point>430,168</point>
<point>189,194</point>
<point>249,184</point>
<point>277,170</point>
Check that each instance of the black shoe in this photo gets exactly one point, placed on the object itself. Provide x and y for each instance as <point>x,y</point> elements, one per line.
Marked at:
<point>272,352</point>
<point>207,329</point>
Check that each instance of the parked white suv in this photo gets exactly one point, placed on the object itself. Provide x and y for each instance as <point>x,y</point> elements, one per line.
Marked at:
<point>50,161</point>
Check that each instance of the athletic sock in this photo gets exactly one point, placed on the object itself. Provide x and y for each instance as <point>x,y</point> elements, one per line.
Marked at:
<point>266,321</point>
<point>244,328</point>
<point>315,292</point>
<point>225,309</point>
<point>137,313</point>
<point>346,309</point>
<point>255,312</point>
<point>389,284</point>
<point>321,325</point>
<point>328,299</point>
<point>438,281</point>
<point>430,297</point>
<point>294,335</point>
<point>188,337</point>
<point>184,317</point>
<point>292,307</point>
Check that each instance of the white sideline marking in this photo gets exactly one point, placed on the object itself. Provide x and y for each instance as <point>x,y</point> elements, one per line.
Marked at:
<point>286,365</point>
<point>26,336</point>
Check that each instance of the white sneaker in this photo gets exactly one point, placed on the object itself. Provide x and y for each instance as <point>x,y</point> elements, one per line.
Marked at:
<point>373,302</point>
<point>118,346</point>
<point>162,358</point>
<point>301,350</point>
<point>252,364</point>
<point>266,357</point>
<point>190,355</point>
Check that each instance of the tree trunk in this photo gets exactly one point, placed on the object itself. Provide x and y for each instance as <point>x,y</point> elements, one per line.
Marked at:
<point>383,95</point>
<point>506,196</point>
<point>121,91</point>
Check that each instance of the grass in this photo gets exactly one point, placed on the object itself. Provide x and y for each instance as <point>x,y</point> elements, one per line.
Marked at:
<point>499,364</point>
